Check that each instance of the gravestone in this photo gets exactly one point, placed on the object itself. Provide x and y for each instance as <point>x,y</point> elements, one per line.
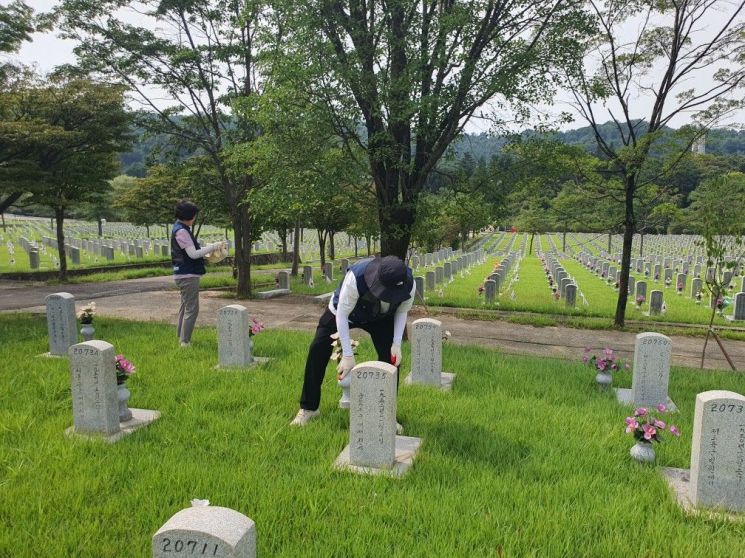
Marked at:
<point>668,274</point>
<point>632,285</point>
<point>681,281</point>
<point>448,271</point>
<point>328,271</point>
<point>414,262</point>
<point>165,251</point>
<point>738,312</point>
<point>233,341</point>
<point>95,406</point>
<point>696,286</point>
<point>139,253</point>
<point>655,303</point>
<point>307,275</point>
<point>344,266</point>
<point>727,278</point>
<point>697,270</point>
<point>571,295</point>
<point>284,280</point>
<point>206,531</point>
<point>439,274</point>
<point>651,374</point>
<point>490,290</point>
<point>419,282</point>
<point>563,285</point>
<point>61,323</point>
<point>373,445</point>
<point>429,281</point>
<point>641,289</point>
<point>33,258</point>
<point>75,255</point>
<point>426,355</point>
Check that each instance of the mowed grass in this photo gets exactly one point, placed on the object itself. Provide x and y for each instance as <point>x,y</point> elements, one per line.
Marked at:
<point>523,458</point>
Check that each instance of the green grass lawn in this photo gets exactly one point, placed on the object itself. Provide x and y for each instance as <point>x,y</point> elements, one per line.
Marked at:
<point>523,458</point>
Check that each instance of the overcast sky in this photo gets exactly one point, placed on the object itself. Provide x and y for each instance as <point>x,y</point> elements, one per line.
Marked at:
<point>47,51</point>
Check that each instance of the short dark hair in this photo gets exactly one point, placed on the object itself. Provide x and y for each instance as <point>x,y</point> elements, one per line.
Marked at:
<point>186,210</point>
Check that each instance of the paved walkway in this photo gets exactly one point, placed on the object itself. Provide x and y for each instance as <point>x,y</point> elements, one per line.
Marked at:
<point>154,299</point>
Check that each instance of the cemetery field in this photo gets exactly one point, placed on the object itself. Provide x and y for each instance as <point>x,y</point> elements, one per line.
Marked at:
<point>524,458</point>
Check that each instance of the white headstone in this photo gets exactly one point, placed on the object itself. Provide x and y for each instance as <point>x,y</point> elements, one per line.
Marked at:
<point>233,341</point>
<point>426,352</point>
<point>95,406</point>
<point>651,375</point>
<point>718,451</point>
<point>209,531</point>
<point>61,322</point>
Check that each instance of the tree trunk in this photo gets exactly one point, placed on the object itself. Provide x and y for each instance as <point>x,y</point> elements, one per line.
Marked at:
<point>530,251</point>
<point>59,215</point>
<point>708,332</point>
<point>355,247</point>
<point>564,241</point>
<point>641,246</point>
<point>100,228</point>
<point>147,230</point>
<point>368,240</point>
<point>8,201</point>
<point>395,230</point>
<point>283,236</point>
<point>610,237</point>
<point>322,246</point>
<point>242,237</point>
<point>628,239</point>
<point>332,246</point>
<point>296,251</point>
<point>3,217</point>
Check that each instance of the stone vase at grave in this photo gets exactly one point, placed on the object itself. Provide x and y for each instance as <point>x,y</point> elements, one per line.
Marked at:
<point>373,446</point>
<point>426,355</point>
<point>62,323</point>
<point>206,531</point>
<point>716,480</point>
<point>651,374</point>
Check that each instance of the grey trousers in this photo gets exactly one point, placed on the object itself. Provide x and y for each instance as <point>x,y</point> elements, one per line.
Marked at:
<point>189,310</point>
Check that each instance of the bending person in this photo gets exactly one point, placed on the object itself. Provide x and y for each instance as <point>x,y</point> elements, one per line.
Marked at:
<point>376,296</point>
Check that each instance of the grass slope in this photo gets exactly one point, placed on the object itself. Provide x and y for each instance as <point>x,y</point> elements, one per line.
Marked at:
<point>524,458</point>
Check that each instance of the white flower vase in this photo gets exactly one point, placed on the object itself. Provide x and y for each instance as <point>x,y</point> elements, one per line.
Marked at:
<point>87,332</point>
<point>345,385</point>
<point>123,395</point>
<point>643,452</point>
<point>604,380</point>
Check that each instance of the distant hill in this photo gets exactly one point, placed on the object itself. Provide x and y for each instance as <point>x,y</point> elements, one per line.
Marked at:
<point>723,141</point>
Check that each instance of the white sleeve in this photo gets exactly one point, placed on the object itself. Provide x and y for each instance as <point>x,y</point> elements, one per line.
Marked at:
<point>399,320</point>
<point>195,254</point>
<point>348,296</point>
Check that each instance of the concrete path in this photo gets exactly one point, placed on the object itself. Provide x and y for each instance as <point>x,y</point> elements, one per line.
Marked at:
<point>154,299</point>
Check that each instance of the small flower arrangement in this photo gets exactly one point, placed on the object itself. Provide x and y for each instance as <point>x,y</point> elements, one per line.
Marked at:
<point>256,327</point>
<point>656,276</point>
<point>337,349</point>
<point>606,363</point>
<point>124,369</point>
<point>481,290</point>
<point>446,335</point>
<point>557,294</point>
<point>647,428</point>
<point>698,297</point>
<point>87,313</point>
<point>641,299</point>
<point>668,282</point>
<point>616,285</point>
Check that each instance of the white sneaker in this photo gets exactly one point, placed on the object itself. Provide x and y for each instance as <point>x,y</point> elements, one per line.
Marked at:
<point>304,416</point>
<point>185,344</point>
<point>399,428</point>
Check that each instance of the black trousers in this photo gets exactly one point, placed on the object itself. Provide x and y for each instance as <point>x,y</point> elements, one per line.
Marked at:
<point>320,350</point>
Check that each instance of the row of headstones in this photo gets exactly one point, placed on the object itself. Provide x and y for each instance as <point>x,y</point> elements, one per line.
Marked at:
<point>639,288</point>
<point>433,258</point>
<point>495,281</point>
<point>566,285</point>
<point>447,271</point>
<point>717,475</point>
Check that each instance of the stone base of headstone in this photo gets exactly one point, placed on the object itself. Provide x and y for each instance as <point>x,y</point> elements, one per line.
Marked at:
<point>446,381</point>
<point>257,361</point>
<point>679,481</point>
<point>323,298</point>
<point>731,319</point>
<point>406,450</point>
<point>626,397</point>
<point>274,293</point>
<point>140,418</point>
<point>50,355</point>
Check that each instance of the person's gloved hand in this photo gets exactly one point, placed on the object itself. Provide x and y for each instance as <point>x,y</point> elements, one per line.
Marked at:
<point>345,366</point>
<point>396,356</point>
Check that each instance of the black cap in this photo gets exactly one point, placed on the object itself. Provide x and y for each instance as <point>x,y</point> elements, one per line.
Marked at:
<point>388,279</point>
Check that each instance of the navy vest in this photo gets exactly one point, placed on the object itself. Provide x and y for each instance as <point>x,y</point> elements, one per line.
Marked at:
<point>367,308</point>
<point>182,263</point>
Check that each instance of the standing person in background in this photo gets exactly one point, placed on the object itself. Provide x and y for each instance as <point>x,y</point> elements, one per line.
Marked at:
<point>376,296</point>
<point>188,267</point>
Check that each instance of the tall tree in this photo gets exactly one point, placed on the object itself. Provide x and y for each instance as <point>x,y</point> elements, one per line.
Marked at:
<point>199,56</point>
<point>414,73</point>
<point>668,60</point>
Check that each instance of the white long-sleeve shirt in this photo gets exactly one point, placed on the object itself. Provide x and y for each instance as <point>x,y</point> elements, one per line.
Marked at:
<point>348,297</point>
